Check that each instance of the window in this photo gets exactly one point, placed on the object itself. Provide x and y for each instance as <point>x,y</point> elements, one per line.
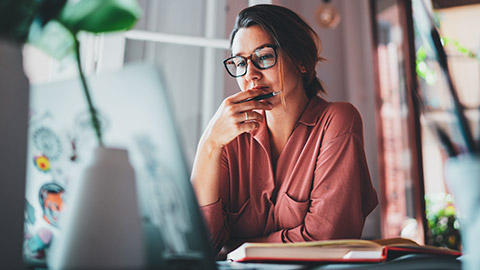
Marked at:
<point>412,155</point>
<point>461,44</point>
<point>402,208</point>
<point>188,55</point>
<point>464,62</point>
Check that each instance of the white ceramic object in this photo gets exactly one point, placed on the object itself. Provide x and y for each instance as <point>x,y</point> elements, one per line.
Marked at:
<point>102,227</point>
<point>14,93</point>
<point>463,180</point>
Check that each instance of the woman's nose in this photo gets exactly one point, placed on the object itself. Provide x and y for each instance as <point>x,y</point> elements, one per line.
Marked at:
<point>253,73</point>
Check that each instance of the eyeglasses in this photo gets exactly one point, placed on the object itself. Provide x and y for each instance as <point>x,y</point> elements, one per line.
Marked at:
<point>262,58</point>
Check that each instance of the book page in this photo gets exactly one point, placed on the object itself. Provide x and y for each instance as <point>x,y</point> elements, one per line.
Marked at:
<point>363,254</point>
<point>328,243</point>
<point>396,241</point>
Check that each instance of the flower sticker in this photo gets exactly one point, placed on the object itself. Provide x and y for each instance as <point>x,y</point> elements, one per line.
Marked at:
<point>47,142</point>
<point>42,163</point>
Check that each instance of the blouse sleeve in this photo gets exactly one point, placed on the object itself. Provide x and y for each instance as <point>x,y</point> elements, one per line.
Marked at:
<point>215,216</point>
<point>342,194</point>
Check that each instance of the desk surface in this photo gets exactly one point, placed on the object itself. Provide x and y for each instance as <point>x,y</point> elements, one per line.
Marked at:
<point>411,262</point>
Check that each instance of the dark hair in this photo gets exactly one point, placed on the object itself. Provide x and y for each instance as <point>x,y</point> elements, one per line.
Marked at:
<point>297,40</point>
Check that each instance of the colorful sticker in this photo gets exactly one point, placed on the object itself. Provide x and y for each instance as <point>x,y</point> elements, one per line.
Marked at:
<point>36,244</point>
<point>51,197</point>
<point>47,142</point>
<point>42,163</point>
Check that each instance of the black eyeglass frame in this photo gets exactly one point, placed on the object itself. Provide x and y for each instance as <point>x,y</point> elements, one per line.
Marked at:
<point>273,46</point>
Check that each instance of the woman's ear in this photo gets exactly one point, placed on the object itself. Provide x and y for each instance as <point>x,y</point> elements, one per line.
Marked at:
<point>302,68</point>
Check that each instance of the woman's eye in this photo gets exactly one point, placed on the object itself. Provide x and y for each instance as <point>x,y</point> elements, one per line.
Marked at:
<point>240,64</point>
<point>266,57</point>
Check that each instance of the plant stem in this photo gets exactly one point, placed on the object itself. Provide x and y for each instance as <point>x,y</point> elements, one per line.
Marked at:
<point>91,108</point>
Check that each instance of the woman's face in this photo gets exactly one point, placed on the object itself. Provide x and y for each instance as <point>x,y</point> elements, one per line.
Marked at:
<point>246,41</point>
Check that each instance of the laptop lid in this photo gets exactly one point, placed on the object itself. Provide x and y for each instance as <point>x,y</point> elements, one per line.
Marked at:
<point>135,115</point>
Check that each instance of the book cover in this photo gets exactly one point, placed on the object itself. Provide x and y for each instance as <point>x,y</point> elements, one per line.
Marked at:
<point>347,250</point>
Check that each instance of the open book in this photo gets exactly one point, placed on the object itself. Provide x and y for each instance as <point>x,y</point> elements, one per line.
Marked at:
<point>349,250</point>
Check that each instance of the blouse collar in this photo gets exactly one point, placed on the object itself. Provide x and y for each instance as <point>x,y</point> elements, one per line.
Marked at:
<point>309,117</point>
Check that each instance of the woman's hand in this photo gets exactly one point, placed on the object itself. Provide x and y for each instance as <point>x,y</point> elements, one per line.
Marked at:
<point>235,117</point>
<point>232,118</point>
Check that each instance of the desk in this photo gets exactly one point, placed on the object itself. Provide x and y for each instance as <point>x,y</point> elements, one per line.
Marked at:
<point>410,262</point>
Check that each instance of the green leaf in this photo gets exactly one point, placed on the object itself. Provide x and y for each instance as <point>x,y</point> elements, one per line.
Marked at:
<point>421,53</point>
<point>100,16</point>
<point>53,39</point>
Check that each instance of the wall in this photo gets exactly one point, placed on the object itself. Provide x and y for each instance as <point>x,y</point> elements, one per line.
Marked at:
<point>182,66</point>
<point>360,87</point>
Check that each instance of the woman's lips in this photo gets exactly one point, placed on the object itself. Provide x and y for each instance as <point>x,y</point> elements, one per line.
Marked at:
<point>259,88</point>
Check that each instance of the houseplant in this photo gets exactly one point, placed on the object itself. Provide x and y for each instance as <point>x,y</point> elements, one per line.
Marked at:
<point>92,16</point>
<point>114,229</point>
<point>444,228</point>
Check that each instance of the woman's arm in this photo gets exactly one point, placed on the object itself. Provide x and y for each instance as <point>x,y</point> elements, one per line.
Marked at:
<point>206,172</point>
<point>227,123</point>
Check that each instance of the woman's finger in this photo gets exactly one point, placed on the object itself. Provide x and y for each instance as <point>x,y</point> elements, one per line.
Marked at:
<point>236,108</point>
<point>243,95</point>
<point>254,105</point>
<point>248,126</point>
<point>249,116</point>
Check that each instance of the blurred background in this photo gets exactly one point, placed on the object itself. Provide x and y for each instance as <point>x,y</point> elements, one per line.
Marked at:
<point>375,60</point>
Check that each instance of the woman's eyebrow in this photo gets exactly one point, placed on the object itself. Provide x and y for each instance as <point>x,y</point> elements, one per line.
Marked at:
<point>261,46</point>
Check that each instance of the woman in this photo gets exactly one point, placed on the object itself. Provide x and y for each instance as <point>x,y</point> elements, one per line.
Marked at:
<point>290,167</point>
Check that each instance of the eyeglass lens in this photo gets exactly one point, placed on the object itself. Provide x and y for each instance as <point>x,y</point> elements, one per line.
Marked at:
<point>262,58</point>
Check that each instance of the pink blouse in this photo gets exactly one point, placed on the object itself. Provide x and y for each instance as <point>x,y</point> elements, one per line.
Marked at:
<point>320,188</point>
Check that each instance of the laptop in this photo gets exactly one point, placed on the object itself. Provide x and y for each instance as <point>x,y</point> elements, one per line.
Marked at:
<point>135,115</point>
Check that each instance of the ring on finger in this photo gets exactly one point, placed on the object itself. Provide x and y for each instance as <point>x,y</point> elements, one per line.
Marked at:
<point>246,116</point>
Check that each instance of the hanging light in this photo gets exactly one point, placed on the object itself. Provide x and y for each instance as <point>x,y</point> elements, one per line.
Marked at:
<point>327,15</point>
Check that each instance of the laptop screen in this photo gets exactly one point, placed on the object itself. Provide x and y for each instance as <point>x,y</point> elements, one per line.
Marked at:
<point>135,115</point>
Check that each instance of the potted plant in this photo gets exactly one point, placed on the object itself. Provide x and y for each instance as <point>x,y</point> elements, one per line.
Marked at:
<point>118,234</point>
<point>444,228</point>
<point>91,16</point>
